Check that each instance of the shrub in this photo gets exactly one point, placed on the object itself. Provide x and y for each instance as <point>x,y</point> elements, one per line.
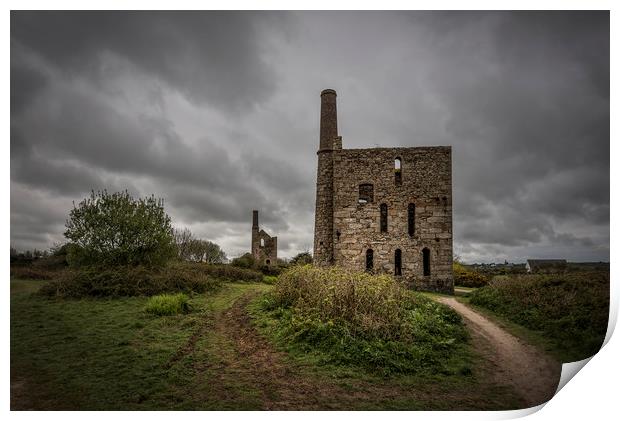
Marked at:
<point>130,281</point>
<point>31,272</point>
<point>304,258</point>
<point>196,250</point>
<point>357,318</point>
<point>167,304</point>
<point>270,279</point>
<point>116,229</point>
<point>466,277</point>
<point>570,309</point>
<point>231,273</point>
<point>245,261</point>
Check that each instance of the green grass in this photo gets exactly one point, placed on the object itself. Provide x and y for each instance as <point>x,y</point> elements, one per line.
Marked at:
<point>167,304</point>
<point>364,320</point>
<point>268,279</point>
<point>569,311</point>
<point>533,337</point>
<point>464,383</point>
<point>104,353</point>
<point>109,354</point>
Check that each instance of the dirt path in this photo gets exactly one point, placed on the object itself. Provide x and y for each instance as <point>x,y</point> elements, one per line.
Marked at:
<point>287,385</point>
<point>280,386</point>
<point>533,374</point>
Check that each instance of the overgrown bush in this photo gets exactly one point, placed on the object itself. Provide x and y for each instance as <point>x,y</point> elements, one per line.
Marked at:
<point>130,281</point>
<point>361,319</point>
<point>571,309</point>
<point>270,279</point>
<point>232,273</point>
<point>167,304</point>
<point>466,277</point>
<point>246,261</point>
<point>303,258</point>
<point>32,272</point>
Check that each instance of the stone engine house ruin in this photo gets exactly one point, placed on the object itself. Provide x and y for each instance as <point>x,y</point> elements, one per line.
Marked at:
<point>384,210</point>
<point>264,247</point>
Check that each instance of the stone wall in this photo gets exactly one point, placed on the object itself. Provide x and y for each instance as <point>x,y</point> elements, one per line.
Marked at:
<point>426,182</point>
<point>264,247</point>
<point>346,229</point>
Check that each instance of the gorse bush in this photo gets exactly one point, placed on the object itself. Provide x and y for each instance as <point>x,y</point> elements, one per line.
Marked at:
<point>466,277</point>
<point>130,281</point>
<point>571,309</point>
<point>167,304</point>
<point>358,318</point>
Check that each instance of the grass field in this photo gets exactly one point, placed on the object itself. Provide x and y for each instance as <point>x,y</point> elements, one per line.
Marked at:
<point>111,354</point>
<point>566,314</point>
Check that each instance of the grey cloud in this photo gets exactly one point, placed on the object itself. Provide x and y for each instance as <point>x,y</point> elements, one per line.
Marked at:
<point>218,113</point>
<point>209,57</point>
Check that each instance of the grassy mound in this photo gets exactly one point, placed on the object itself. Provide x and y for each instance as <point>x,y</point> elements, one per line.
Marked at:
<point>167,304</point>
<point>130,281</point>
<point>571,309</point>
<point>364,320</point>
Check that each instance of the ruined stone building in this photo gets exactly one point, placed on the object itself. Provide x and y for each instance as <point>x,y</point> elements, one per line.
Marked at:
<point>264,247</point>
<point>384,210</point>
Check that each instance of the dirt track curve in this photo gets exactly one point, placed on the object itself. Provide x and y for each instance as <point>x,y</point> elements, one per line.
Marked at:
<point>533,374</point>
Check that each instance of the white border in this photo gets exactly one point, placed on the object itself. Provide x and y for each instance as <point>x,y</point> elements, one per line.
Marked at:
<point>592,394</point>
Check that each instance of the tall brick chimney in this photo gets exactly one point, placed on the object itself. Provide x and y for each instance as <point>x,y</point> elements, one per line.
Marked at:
<point>324,213</point>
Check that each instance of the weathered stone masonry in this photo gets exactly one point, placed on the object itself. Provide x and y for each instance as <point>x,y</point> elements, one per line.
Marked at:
<point>264,247</point>
<point>387,210</point>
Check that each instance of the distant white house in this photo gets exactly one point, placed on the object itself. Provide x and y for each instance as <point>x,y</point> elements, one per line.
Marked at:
<point>545,265</point>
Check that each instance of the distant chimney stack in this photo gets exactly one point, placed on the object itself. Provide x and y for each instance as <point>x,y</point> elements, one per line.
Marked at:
<point>254,219</point>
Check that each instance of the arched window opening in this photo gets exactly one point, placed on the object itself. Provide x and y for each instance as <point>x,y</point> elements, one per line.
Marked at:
<point>366,193</point>
<point>398,173</point>
<point>337,234</point>
<point>262,242</point>
<point>267,262</point>
<point>369,260</point>
<point>411,218</point>
<point>398,263</point>
<point>426,261</point>
<point>384,215</point>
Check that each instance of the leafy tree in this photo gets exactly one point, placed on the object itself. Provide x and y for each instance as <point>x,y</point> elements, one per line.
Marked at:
<point>195,249</point>
<point>116,229</point>
<point>205,251</point>
<point>182,240</point>
<point>303,258</point>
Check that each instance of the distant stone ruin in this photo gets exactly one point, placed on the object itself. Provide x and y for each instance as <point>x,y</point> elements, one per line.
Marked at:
<point>264,247</point>
<point>383,210</point>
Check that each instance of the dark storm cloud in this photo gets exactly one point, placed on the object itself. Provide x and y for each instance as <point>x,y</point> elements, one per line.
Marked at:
<point>217,112</point>
<point>209,57</point>
<point>526,97</point>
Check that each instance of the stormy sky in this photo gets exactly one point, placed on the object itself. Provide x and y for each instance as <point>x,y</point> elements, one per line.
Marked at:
<point>218,113</point>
